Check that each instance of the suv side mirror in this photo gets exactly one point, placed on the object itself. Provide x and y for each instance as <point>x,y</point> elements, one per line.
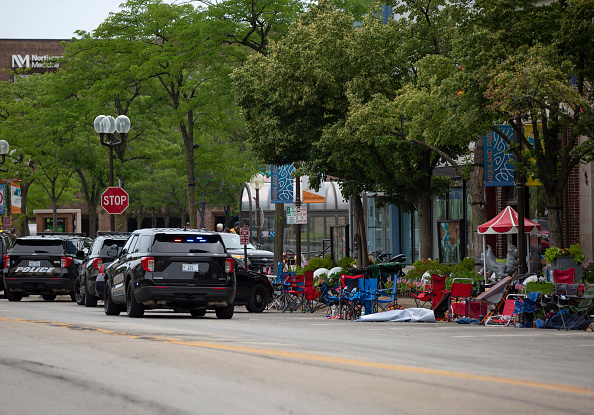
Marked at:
<point>81,254</point>
<point>113,250</point>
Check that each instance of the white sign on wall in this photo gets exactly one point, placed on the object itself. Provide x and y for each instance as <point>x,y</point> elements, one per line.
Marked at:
<point>34,61</point>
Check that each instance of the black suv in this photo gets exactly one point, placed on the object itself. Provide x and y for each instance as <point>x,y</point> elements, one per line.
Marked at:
<point>6,242</point>
<point>180,269</point>
<point>258,260</point>
<point>45,264</point>
<point>86,288</point>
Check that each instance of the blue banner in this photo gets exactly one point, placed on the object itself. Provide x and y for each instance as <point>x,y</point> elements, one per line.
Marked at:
<point>498,169</point>
<point>3,199</point>
<point>282,184</point>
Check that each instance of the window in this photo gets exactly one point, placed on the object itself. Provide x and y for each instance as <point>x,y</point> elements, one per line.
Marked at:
<point>187,243</point>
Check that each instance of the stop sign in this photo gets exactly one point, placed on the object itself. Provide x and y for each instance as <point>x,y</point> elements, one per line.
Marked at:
<point>114,200</point>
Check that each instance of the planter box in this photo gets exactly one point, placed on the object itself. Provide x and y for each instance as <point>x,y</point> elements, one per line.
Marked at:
<point>565,262</point>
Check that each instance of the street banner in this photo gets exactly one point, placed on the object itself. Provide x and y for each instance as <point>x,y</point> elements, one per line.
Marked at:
<point>309,195</point>
<point>2,199</point>
<point>529,132</point>
<point>498,168</point>
<point>15,198</point>
<point>282,184</point>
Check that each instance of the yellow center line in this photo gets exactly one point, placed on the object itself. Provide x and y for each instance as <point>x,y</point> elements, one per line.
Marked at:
<point>326,359</point>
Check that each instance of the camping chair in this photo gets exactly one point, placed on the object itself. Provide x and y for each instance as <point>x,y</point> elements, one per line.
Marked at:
<point>461,289</point>
<point>585,309</point>
<point>294,293</point>
<point>433,292</point>
<point>510,313</point>
<point>368,293</point>
<point>442,306</point>
<point>385,299</point>
<point>494,297</point>
<point>564,277</point>
<point>279,297</point>
<point>311,295</point>
<point>349,299</point>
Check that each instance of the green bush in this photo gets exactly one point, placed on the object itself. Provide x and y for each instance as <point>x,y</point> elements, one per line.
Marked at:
<point>317,262</point>
<point>465,269</point>
<point>346,262</point>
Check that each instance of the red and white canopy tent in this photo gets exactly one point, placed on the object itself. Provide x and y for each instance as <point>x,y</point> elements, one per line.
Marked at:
<point>504,223</point>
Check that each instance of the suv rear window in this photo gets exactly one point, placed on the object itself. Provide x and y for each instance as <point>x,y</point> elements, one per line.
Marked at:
<point>46,246</point>
<point>187,243</point>
<point>109,242</point>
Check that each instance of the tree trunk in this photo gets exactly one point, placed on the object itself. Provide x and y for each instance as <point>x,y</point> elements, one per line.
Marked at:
<point>361,232</point>
<point>23,217</point>
<point>279,232</point>
<point>555,208</point>
<point>424,211</point>
<point>476,188</point>
<point>188,137</point>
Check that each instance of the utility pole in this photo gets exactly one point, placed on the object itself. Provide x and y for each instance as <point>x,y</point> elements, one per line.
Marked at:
<point>520,182</point>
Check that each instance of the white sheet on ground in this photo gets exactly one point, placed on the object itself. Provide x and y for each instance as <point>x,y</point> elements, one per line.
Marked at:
<point>407,315</point>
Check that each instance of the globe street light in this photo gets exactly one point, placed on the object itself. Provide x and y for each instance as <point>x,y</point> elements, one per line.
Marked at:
<point>106,126</point>
<point>257,182</point>
<point>4,148</point>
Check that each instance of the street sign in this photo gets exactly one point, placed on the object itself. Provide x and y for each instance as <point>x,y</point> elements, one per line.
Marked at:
<point>114,200</point>
<point>296,215</point>
<point>244,235</point>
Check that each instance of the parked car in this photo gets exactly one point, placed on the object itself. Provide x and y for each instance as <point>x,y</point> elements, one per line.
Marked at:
<point>46,264</point>
<point>179,269</point>
<point>7,241</point>
<point>254,290</point>
<point>258,260</point>
<point>86,289</point>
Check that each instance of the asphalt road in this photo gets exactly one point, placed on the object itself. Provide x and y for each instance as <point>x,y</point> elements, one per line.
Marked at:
<point>60,358</point>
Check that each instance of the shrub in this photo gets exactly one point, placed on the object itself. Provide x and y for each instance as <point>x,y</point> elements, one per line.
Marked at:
<point>346,262</point>
<point>317,262</point>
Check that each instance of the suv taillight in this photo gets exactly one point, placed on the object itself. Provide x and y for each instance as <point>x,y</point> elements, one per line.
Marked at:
<point>229,265</point>
<point>65,261</point>
<point>148,263</point>
<point>6,263</point>
<point>97,262</point>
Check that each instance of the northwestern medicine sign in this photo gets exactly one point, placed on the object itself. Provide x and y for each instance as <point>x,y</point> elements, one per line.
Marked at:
<point>35,61</point>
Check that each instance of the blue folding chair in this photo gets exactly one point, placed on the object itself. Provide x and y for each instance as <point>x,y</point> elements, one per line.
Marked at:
<point>386,299</point>
<point>368,293</point>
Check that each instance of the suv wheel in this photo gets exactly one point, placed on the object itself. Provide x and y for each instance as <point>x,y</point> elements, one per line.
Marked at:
<point>110,308</point>
<point>90,300</point>
<point>133,307</point>
<point>78,294</point>
<point>10,296</point>
<point>258,299</point>
<point>225,312</point>
<point>48,297</point>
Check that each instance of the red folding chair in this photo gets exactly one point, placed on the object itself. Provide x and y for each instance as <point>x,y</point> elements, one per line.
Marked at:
<point>460,294</point>
<point>564,277</point>
<point>433,293</point>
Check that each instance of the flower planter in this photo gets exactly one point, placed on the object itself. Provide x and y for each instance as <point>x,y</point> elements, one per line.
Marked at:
<point>565,262</point>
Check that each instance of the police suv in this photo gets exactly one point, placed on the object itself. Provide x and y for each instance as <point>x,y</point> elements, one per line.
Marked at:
<point>46,264</point>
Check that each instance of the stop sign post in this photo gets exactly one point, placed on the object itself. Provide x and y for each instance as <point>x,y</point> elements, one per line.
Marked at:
<point>114,200</point>
<point>244,239</point>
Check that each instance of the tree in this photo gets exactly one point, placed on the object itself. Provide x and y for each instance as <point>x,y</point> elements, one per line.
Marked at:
<point>521,59</point>
<point>332,95</point>
<point>186,53</point>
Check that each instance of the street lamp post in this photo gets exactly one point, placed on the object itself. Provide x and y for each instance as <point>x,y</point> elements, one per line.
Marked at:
<point>4,148</point>
<point>106,126</point>
<point>257,182</point>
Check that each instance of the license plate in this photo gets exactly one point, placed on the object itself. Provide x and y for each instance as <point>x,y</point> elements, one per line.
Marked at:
<point>190,267</point>
<point>34,263</point>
